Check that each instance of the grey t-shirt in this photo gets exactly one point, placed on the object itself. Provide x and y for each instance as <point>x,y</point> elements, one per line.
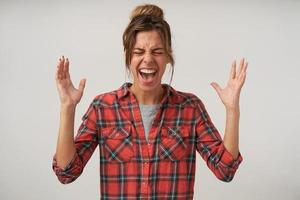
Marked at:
<point>148,113</point>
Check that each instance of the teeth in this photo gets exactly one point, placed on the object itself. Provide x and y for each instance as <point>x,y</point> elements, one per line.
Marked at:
<point>148,71</point>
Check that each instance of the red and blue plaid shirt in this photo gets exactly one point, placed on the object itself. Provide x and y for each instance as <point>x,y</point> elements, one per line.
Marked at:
<point>163,167</point>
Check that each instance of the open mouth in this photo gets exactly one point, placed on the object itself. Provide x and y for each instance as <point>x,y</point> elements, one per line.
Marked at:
<point>147,73</point>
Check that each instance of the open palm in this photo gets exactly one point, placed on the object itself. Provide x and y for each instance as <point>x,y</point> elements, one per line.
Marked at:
<point>230,95</point>
<point>68,94</point>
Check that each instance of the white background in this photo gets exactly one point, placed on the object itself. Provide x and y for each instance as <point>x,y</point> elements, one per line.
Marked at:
<point>207,36</point>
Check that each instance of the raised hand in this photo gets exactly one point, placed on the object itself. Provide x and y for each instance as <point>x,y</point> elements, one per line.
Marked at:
<point>230,95</point>
<point>68,94</point>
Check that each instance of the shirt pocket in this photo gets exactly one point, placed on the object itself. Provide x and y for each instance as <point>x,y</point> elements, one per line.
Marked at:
<point>174,143</point>
<point>117,144</point>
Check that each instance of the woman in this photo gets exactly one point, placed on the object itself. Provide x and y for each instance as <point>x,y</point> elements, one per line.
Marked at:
<point>148,133</point>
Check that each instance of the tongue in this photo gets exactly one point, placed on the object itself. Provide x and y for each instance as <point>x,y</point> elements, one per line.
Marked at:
<point>147,77</point>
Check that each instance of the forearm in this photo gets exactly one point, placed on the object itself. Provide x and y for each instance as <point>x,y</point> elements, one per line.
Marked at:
<point>231,137</point>
<point>65,149</point>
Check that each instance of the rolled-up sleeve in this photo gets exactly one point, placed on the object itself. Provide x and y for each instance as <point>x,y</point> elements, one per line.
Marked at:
<point>211,147</point>
<point>86,142</point>
<point>69,173</point>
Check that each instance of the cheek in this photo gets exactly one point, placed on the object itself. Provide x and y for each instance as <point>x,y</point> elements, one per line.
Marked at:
<point>134,62</point>
<point>133,66</point>
<point>132,70</point>
<point>163,60</point>
<point>162,63</point>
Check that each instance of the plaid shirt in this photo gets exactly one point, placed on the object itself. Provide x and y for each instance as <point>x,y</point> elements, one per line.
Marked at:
<point>163,167</point>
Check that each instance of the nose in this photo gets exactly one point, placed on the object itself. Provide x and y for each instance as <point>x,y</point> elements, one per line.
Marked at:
<point>148,58</point>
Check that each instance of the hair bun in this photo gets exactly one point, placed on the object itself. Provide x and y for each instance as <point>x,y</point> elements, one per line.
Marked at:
<point>147,9</point>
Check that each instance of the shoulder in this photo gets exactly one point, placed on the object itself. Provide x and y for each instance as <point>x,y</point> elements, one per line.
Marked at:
<point>185,98</point>
<point>105,99</point>
<point>192,102</point>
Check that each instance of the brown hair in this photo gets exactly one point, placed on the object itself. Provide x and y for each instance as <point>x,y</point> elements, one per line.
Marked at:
<point>147,17</point>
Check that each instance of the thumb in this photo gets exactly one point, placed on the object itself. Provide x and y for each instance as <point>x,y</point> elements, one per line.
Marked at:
<point>216,87</point>
<point>82,85</point>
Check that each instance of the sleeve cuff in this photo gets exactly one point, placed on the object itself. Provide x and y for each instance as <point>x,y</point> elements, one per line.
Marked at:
<point>227,158</point>
<point>67,169</point>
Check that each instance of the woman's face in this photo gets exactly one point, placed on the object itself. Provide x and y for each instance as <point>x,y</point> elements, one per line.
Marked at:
<point>148,61</point>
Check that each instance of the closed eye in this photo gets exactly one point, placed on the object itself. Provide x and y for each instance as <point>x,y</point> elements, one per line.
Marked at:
<point>158,52</point>
<point>138,52</point>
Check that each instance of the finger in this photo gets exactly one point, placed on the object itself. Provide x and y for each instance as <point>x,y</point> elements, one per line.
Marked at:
<point>233,70</point>
<point>246,66</point>
<point>216,87</point>
<point>60,65</point>
<point>59,69</point>
<point>56,75</point>
<point>67,68</point>
<point>82,85</point>
<point>242,77</point>
<point>241,66</point>
<point>243,70</point>
<point>62,60</point>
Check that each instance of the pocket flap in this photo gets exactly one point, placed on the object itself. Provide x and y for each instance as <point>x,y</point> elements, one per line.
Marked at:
<point>116,133</point>
<point>182,131</point>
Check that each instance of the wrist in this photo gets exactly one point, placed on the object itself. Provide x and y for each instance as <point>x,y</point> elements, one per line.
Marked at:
<point>233,111</point>
<point>67,108</point>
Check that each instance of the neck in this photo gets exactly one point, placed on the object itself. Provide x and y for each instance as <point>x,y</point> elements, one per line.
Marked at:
<point>148,97</point>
